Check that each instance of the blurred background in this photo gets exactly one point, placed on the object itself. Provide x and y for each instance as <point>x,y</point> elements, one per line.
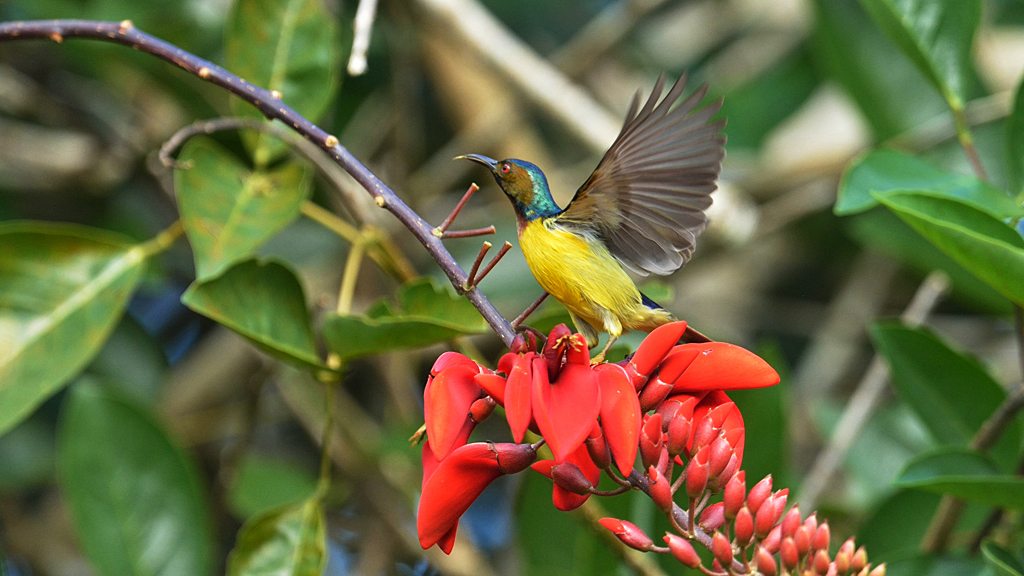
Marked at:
<point>808,85</point>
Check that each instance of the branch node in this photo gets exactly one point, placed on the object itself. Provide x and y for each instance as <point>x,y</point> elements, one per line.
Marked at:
<point>275,94</point>
<point>204,73</point>
<point>331,141</point>
<point>380,201</point>
<point>125,26</point>
<point>56,37</point>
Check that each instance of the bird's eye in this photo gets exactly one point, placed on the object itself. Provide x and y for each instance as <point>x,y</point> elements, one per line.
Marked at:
<point>505,168</point>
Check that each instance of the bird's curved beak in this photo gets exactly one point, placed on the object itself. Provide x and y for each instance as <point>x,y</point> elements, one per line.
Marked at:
<point>489,162</point>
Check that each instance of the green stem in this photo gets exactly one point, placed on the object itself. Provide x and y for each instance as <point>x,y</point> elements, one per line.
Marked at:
<point>348,280</point>
<point>324,483</point>
<point>963,135</point>
<point>328,220</point>
<point>164,240</point>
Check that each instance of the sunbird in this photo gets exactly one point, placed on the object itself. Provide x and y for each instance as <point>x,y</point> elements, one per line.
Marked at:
<point>640,211</point>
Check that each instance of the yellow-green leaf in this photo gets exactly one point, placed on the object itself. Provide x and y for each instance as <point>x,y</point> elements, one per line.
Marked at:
<point>62,290</point>
<point>287,541</point>
<point>229,211</point>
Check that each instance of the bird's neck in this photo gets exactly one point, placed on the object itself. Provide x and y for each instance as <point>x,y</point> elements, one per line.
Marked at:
<point>540,205</point>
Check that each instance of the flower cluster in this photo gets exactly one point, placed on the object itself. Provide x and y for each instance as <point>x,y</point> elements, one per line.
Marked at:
<point>665,406</point>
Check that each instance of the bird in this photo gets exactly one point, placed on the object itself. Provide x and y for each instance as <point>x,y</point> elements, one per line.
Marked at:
<point>640,212</point>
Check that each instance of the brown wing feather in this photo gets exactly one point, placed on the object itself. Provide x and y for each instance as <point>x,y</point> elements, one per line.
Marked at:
<point>646,198</point>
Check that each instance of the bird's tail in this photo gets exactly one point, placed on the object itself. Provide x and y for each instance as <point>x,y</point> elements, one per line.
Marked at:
<point>689,336</point>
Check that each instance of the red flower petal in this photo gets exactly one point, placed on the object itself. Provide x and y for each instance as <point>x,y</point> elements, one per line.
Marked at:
<point>493,385</point>
<point>446,403</point>
<point>430,462</point>
<point>518,405</point>
<point>566,409</point>
<point>447,542</point>
<point>724,366</point>
<point>655,346</point>
<point>620,417</point>
<point>449,359</point>
<point>452,488</point>
<point>506,363</point>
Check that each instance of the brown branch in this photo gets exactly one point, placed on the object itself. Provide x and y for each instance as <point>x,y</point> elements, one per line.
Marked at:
<point>469,233</point>
<point>440,230</point>
<point>476,263</point>
<point>526,313</point>
<point>273,108</point>
<point>494,261</point>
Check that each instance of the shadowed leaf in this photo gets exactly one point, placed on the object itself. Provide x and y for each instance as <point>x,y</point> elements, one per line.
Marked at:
<point>292,46</point>
<point>427,314</point>
<point>979,242</point>
<point>229,211</point>
<point>62,290</point>
<point>964,474</point>
<point>137,502</point>
<point>1000,561</point>
<point>262,301</point>
<point>1015,146</point>
<point>287,541</point>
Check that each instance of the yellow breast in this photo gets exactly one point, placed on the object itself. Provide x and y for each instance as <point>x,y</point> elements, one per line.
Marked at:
<point>582,275</point>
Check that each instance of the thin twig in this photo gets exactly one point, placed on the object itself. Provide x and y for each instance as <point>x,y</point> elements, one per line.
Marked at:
<point>476,263</point>
<point>864,399</point>
<point>440,230</point>
<point>266,102</point>
<point>526,313</point>
<point>363,25</point>
<point>494,261</point>
<point>469,233</point>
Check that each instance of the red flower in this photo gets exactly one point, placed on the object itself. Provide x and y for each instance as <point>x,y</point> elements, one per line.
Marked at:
<point>447,398</point>
<point>565,409</point>
<point>567,497</point>
<point>458,480</point>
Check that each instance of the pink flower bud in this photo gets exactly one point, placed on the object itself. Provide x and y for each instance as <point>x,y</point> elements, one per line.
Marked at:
<point>765,562</point>
<point>721,549</point>
<point>791,521</point>
<point>811,523</point>
<point>721,452</point>
<point>678,434</point>
<point>735,494</point>
<point>718,482</point>
<point>654,393</point>
<point>697,474</point>
<point>802,538</point>
<point>571,478</point>
<point>597,447</point>
<point>759,493</point>
<point>821,537</point>
<point>860,560</point>
<point>878,571</point>
<point>703,434</point>
<point>481,409</point>
<point>682,550</point>
<point>789,554</point>
<point>661,490</point>
<point>769,513</point>
<point>774,539</point>
<point>513,458</point>
<point>821,562</point>
<point>744,527</point>
<point>712,518</point>
<point>844,557</point>
<point>629,533</point>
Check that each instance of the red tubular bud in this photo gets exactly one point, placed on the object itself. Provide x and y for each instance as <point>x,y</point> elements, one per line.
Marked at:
<point>789,554</point>
<point>735,494</point>
<point>481,409</point>
<point>697,474</point>
<point>791,522</point>
<point>629,533</point>
<point>811,523</point>
<point>661,490</point>
<point>682,550</point>
<point>759,493</point>
<point>716,567</point>
<point>663,459</point>
<point>678,434</point>
<point>821,537</point>
<point>704,434</point>
<point>821,562</point>
<point>597,447</point>
<point>650,440</point>
<point>832,570</point>
<point>721,452</point>
<point>773,541</point>
<point>519,344</point>
<point>744,527</point>
<point>513,458</point>
<point>802,538</point>
<point>722,549</point>
<point>864,571</point>
<point>712,518</point>
<point>568,476</point>
<point>769,513</point>
<point>765,562</point>
<point>718,482</point>
<point>654,393</point>
<point>860,560</point>
<point>878,571</point>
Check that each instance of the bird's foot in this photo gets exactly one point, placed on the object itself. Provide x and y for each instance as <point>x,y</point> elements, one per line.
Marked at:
<point>597,359</point>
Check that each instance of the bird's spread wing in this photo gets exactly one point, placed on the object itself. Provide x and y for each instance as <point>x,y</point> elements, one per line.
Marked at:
<point>647,197</point>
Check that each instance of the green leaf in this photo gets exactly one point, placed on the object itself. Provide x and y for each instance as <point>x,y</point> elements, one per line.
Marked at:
<point>62,290</point>
<point>950,393</point>
<point>1001,561</point>
<point>1015,145</point>
<point>965,474</point>
<point>229,211</point>
<point>884,170</point>
<point>937,35</point>
<point>979,242</point>
<point>291,46</point>
<point>262,483</point>
<point>896,527</point>
<point>137,501</point>
<point>262,301</point>
<point>287,541</point>
<point>933,565</point>
<point>427,314</point>
<point>887,87</point>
